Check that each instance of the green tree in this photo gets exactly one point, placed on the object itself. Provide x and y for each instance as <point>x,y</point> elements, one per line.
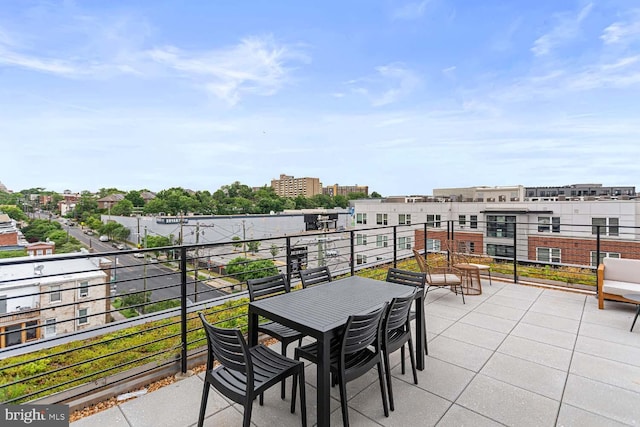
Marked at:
<point>236,240</point>
<point>115,230</point>
<point>157,241</point>
<point>253,247</point>
<point>357,196</point>
<point>273,250</point>
<point>123,208</point>
<point>375,195</point>
<point>14,212</point>
<point>39,229</point>
<point>135,198</point>
<point>341,201</point>
<point>87,205</point>
<point>244,269</point>
<point>155,206</point>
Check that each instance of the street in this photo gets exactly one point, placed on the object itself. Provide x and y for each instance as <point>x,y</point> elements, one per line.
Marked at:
<point>131,274</point>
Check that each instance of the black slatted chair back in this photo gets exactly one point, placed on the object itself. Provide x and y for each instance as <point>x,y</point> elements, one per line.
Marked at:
<point>362,330</point>
<point>267,286</point>
<point>398,312</point>
<point>315,276</point>
<point>227,346</point>
<point>405,277</point>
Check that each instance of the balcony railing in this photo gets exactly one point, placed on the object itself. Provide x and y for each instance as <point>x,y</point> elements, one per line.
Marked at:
<point>116,319</point>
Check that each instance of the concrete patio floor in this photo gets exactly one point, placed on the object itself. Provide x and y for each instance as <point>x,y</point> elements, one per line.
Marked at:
<point>515,355</point>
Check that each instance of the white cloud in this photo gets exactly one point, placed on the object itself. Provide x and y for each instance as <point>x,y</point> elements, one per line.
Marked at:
<point>256,66</point>
<point>623,31</point>
<point>390,84</point>
<point>566,29</point>
<point>409,11</point>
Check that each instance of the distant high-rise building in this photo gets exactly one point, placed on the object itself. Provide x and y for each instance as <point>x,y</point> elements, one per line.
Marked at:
<point>288,186</point>
<point>345,190</point>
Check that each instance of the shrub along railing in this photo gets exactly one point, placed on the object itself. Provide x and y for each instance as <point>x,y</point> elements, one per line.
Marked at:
<point>63,338</point>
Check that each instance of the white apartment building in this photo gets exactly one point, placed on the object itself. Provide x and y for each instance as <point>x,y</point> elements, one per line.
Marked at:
<point>43,298</point>
<point>546,231</point>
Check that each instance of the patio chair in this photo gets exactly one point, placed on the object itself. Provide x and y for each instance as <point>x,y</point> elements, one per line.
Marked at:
<point>396,332</point>
<point>244,372</point>
<point>266,287</point>
<point>440,277</point>
<point>458,257</point>
<point>409,278</point>
<point>357,351</point>
<point>315,276</point>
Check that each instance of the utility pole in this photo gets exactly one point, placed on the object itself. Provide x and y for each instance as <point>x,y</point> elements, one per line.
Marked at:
<point>145,272</point>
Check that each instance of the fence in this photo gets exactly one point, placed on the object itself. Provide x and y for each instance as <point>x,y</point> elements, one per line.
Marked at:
<point>87,325</point>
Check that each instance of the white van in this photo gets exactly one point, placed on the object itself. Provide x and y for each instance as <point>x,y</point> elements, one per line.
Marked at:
<point>103,238</point>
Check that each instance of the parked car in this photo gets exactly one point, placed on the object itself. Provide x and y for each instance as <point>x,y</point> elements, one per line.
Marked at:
<point>103,238</point>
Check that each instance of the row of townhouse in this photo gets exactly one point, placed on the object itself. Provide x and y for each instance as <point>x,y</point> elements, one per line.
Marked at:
<point>42,298</point>
<point>565,232</point>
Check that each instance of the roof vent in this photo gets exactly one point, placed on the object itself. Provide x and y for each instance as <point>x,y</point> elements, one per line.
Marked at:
<point>37,269</point>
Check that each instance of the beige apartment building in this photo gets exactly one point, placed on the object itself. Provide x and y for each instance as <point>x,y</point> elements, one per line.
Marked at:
<point>289,186</point>
<point>345,190</point>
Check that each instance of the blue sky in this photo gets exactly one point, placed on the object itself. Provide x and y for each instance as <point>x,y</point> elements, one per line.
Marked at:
<point>401,96</point>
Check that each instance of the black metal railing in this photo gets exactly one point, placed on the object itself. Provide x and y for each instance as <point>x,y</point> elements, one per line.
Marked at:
<point>79,324</point>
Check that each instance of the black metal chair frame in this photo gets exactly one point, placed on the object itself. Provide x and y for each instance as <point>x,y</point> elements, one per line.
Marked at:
<point>396,332</point>
<point>244,372</point>
<point>415,279</point>
<point>357,351</point>
<point>264,288</point>
<point>315,276</point>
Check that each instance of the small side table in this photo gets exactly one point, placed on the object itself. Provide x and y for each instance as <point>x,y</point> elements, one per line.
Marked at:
<point>471,274</point>
<point>636,299</point>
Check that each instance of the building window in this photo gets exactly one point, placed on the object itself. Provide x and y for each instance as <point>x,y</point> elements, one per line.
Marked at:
<point>433,245</point>
<point>504,251</point>
<point>603,255</point>
<point>548,224</point>
<point>548,255</point>
<point>32,330</point>
<point>472,247</point>
<point>361,259</point>
<point>361,218</point>
<point>13,335</point>
<point>55,295</point>
<point>544,224</point>
<point>473,221</point>
<point>601,224</point>
<point>3,304</point>
<point>382,241</point>
<point>382,219</point>
<point>83,316</point>
<point>361,239</point>
<point>501,226</point>
<point>50,327</point>
<point>404,219</point>
<point>404,243</point>
<point>84,289</point>
<point>462,220</point>
<point>433,221</point>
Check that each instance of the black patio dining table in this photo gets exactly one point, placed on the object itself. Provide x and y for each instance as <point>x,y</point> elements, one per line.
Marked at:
<point>322,311</point>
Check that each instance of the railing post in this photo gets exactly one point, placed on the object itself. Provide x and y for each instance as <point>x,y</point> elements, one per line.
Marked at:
<point>183,309</point>
<point>515,252</point>
<point>598,228</point>
<point>424,226</point>
<point>353,253</point>
<point>289,263</point>
<point>395,246</point>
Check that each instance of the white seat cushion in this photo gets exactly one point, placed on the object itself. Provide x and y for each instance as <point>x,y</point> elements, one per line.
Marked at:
<point>443,279</point>
<point>620,288</point>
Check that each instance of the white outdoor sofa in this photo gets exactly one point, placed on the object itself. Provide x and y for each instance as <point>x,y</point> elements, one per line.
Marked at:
<point>618,277</point>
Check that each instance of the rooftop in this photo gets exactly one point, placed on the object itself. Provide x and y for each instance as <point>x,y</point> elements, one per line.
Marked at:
<point>515,355</point>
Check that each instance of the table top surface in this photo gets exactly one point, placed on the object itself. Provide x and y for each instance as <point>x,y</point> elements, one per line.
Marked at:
<point>325,307</point>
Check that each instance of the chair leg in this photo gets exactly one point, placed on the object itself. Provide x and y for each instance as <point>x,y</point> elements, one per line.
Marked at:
<point>343,401</point>
<point>387,374</point>
<point>283,351</point>
<point>412,357</point>
<point>383,389</point>
<point>489,277</point>
<point>296,357</point>
<point>203,404</point>
<point>402,359</point>
<point>303,398</point>
<point>248,407</point>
